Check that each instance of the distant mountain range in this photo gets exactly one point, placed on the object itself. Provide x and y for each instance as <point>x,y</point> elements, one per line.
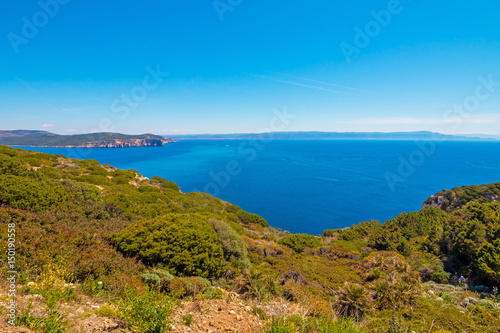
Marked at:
<point>421,135</point>
<point>116,140</point>
<point>483,136</point>
<point>92,140</point>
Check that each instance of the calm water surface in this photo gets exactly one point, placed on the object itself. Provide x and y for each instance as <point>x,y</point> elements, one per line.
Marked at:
<point>309,186</point>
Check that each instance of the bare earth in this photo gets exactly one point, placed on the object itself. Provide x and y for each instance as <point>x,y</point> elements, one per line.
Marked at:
<point>207,316</point>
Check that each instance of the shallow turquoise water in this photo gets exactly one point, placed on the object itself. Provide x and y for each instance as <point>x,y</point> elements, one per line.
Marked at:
<point>309,186</point>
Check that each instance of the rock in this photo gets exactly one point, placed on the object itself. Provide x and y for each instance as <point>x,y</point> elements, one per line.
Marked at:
<point>232,312</point>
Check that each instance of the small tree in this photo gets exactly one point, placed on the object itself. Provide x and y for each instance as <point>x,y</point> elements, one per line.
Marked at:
<point>488,262</point>
<point>233,246</point>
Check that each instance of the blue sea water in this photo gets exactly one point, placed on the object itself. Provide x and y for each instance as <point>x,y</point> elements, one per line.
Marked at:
<point>310,186</point>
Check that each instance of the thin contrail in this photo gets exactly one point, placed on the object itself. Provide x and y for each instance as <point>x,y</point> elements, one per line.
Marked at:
<point>322,82</point>
<point>297,84</point>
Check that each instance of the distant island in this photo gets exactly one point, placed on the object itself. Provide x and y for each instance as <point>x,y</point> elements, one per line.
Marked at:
<point>420,135</point>
<point>92,140</point>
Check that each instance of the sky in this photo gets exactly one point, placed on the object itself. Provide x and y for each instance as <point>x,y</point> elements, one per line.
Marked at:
<point>230,66</point>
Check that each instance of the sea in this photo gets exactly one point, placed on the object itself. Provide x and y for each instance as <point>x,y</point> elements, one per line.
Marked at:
<point>307,186</point>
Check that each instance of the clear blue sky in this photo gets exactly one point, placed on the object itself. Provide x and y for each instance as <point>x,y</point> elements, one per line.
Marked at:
<point>228,75</point>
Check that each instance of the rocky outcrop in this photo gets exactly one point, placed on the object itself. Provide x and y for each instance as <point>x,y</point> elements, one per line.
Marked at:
<point>492,198</point>
<point>434,201</point>
<point>456,198</point>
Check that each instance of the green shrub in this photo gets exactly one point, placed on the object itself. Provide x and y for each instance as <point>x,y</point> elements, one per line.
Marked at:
<point>356,231</point>
<point>13,166</point>
<point>146,311</point>
<point>107,311</point>
<point>157,278</point>
<point>298,242</point>
<point>49,173</point>
<point>189,286</point>
<point>487,264</point>
<point>98,171</point>
<point>249,218</point>
<point>281,325</point>
<point>24,193</point>
<point>146,188</point>
<point>184,244</point>
<point>232,245</point>
<point>397,326</point>
<point>326,324</point>
<point>52,322</point>
<point>187,319</point>
<point>9,151</point>
<point>119,180</point>
<point>83,192</point>
<point>93,179</point>
<point>32,160</point>
<point>429,267</point>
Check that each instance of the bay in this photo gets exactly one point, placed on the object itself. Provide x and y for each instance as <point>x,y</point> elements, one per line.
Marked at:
<point>309,186</point>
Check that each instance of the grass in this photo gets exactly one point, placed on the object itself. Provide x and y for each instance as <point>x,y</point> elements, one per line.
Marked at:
<point>146,311</point>
<point>325,324</point>
<point>187,319</point>
<point>50,322</point>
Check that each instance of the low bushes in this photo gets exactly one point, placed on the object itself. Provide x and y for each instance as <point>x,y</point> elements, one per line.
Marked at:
<point>145,311</point>
<point>28,194</point>
<point>298,242</point>
<point>184,244</point>
<point>232,245</point>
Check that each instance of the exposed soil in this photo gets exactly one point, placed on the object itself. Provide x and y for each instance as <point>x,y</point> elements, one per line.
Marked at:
<point>191,316</point>
<point>215,316</point>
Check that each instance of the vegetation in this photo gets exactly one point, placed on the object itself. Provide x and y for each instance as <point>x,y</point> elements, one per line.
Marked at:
<point>450,200</point>
<point>299,242</point>
<point>145,311</point>
<point>141,246</point>
<point>185,244</point>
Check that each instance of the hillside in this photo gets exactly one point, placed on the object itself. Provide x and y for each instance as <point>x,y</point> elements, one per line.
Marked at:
<point>101,249</point>
<point>93,140</point>
<point>421,135</point>
<point>450,200</point>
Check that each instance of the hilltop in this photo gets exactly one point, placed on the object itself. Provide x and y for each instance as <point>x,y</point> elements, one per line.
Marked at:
<point>450,200</point>
<point>92,140</point>
<point>103,249</point>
